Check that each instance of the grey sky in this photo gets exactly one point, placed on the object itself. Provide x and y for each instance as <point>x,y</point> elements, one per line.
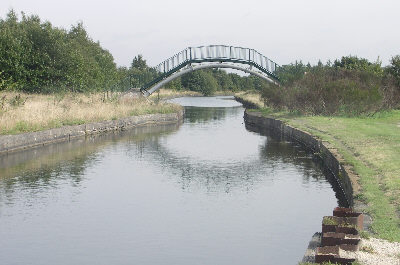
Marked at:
<point>283,30</point>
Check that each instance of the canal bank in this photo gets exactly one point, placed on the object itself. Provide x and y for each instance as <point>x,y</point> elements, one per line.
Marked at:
<point>12,143</point>
<point>346,179</point>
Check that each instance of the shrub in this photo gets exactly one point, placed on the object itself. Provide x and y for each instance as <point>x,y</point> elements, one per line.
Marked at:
<point>335,91</point>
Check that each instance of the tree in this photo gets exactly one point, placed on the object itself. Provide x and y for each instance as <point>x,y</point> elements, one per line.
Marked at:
<point>139,63</point>
<point>37,57</point>
<point>359,64</point>
<point>290,73</point>
<point>200,81</point>
<point>394,68</point>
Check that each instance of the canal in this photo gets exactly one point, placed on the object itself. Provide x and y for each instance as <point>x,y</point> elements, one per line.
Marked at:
<point>206,191</point>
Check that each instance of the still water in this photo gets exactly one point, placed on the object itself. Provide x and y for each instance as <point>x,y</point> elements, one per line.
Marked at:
<point>203,192</point>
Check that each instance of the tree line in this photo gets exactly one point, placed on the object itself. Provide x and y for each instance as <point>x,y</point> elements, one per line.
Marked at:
<point>37,57</point>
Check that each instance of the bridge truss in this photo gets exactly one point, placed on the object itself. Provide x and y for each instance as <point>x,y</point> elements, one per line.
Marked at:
<point>213,56</point>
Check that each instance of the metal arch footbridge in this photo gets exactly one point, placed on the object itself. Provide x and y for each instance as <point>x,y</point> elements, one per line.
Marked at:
<point>213,56</point>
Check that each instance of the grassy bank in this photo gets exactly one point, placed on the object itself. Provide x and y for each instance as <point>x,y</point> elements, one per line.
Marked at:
<point>172,93</point>
<point>252,97</point>
<point>34,112</point>
<point>371,145</point>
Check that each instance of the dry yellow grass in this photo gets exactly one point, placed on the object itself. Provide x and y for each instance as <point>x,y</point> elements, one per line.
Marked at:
<point>251,96</point>
<point>164,93</point>
<point>26,112</point>
<point>170,93</point>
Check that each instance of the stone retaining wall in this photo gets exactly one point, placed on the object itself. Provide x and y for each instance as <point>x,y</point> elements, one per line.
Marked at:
<point>10,143</point>
<point>346,180</point>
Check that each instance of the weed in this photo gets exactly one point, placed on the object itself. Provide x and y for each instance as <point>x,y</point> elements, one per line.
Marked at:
<point>3,102</point>
<point>364,234</point>
<point>367,249</point>
<point>17,101</point>
<point>329,220</point>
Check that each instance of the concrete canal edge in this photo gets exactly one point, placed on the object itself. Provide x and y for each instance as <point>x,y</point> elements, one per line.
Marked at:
<point>12,143</point>
<point>347,181</point>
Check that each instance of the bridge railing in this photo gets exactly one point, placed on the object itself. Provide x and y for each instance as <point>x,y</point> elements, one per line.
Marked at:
<point>174,61</point>
<point>212,53</point>
<point>234,54</point>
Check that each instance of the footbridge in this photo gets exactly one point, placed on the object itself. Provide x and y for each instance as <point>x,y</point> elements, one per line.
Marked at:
<point>213,56</point>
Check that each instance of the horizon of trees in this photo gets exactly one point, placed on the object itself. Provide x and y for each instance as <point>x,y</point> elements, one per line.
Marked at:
<point>36,57</point>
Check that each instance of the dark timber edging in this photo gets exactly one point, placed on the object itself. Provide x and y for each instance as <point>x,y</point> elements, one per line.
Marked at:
<point>11,143</point>
<point>330,158</point>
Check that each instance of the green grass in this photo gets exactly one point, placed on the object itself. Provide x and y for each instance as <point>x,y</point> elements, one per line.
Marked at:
<point>371,146</point>
<point>329,220</point>
<point>23,126</point>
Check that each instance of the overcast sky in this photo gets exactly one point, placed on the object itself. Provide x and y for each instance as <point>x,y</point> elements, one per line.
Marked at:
<point>283,30</point>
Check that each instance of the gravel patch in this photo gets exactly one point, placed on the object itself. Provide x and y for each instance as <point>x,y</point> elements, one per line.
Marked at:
<point>375,251</point>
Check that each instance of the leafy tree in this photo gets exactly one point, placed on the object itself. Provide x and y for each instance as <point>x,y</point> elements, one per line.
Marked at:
<point>289,73</point>
<point>360,64</point>
<point>223,79</point>
<point>394,68</point>
<point>200,81</point>
<point>175,84</point>
<point>37,57</point>
<point>139,63</point>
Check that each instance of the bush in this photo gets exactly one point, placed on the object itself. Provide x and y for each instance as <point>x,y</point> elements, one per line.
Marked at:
<point>335,91</point>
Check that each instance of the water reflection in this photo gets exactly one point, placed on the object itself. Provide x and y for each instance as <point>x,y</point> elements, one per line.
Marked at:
<point>47,167</point>
<point>204,192</point>
<point>279,149</point>
<point>227,163</point>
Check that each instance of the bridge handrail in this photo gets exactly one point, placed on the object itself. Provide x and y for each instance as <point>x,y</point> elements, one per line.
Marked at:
<point>213,53</point>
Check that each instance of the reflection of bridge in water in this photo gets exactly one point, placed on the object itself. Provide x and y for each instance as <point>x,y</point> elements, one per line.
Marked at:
<point>213,56</point>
